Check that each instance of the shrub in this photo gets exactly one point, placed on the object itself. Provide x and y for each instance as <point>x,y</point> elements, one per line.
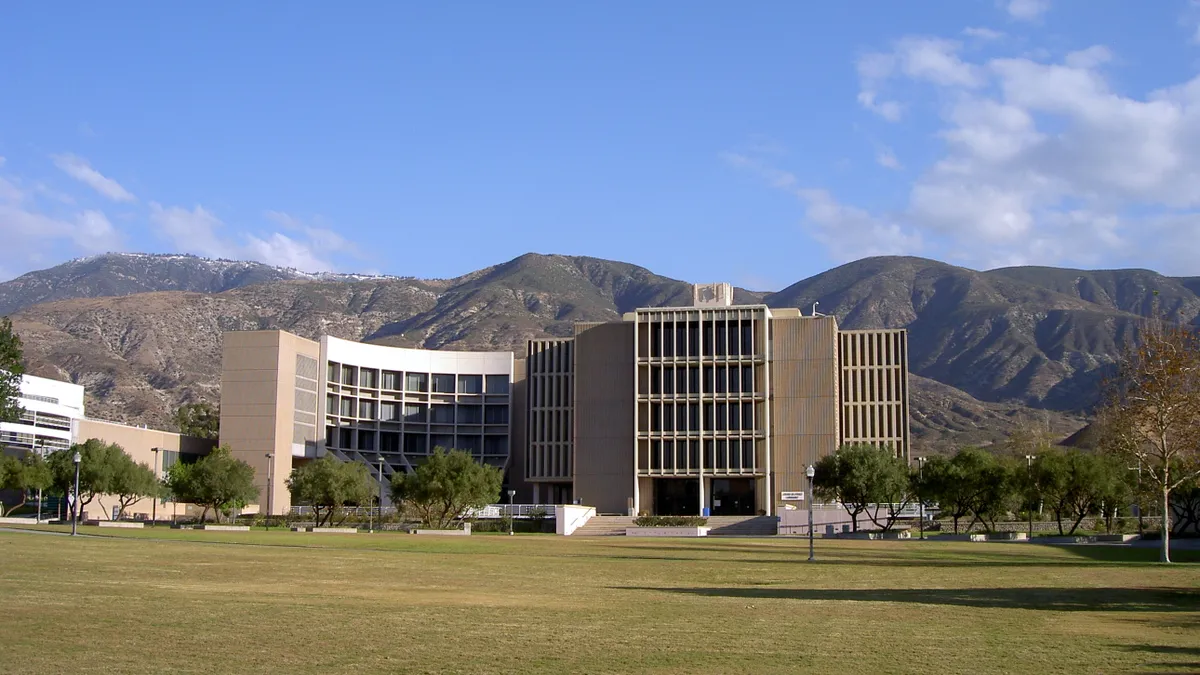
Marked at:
<point>670,521</point>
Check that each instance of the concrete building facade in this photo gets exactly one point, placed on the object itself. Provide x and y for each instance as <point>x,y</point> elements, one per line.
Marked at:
<point>286,400</point>
<point>710,409</point>
<point>50,414</point>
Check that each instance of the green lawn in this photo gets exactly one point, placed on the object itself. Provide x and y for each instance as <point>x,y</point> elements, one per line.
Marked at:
<point>209,602</point>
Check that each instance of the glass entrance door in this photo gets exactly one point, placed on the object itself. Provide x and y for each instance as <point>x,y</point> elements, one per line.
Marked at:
<point>733,496</point>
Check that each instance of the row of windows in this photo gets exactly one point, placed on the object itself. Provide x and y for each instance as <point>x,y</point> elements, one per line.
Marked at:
<point>416,413</point>
<point>866,421</point>
<point>696,339</point>
<point>721,455</point>
<point>689,380</point>
<point>45,420</point>
<point>410,443</point>
<point>865,385</point>
<point>871,349</point>
<point>438,383</point>
<point>685,417</point>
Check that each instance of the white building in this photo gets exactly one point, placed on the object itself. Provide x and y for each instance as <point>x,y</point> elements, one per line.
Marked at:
<point>50,417</point>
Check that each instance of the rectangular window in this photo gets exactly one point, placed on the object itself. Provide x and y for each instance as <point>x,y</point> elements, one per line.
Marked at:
<point>366,410</point>
<point>441,414</point>
<point>495,445</point>
<point>389,412</point>
<point>368,377</point>
<point>347,409</point>
<point>415,444</point>
<point>470,384</point>
<point>443,383</point>
<point>331,404</point>
<point>416,382</point>
<point>331,436</point>
<point>349,375</point>
<point>389,441</point>
<point>443,441</point>
<point>333,373</point>
<point>415,413</point>
<point>496,414</point>
<point>497,384</point>
<point>366,440</point>
<point>470,414</point>
<point>391,380</point>
<point>346,438</point>
<point>471,444</point>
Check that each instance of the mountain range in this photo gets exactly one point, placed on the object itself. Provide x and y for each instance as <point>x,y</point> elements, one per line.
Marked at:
<point>990,351</point>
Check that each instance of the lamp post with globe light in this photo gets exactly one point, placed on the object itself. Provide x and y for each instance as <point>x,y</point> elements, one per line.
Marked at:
<point>810,472</point>
<point>75,502</point>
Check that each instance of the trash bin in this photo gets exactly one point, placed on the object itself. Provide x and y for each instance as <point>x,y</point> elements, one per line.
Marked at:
<point>706,512</point>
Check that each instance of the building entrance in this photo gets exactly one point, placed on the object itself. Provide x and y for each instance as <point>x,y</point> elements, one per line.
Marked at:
<point>733,497</point>
<point>676,497</point>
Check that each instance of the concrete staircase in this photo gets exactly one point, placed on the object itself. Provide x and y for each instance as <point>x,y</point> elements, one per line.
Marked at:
<point>743,526</point>
<point>604,526</point>
<point>735,526</point>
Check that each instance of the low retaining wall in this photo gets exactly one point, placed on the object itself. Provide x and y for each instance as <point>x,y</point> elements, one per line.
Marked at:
<point>25,521</point>
<point>223,528</point>
<point>666,531</point>
<point>891,534</point>
<point>449,533</point>
<point>115,523</point>
<point>327,530</point>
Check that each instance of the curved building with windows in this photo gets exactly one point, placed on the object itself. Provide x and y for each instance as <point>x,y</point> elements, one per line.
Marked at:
<point>286,400</point>
<point>713,408</point>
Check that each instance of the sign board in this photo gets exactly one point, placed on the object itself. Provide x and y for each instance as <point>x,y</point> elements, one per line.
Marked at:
<point>792,496</point>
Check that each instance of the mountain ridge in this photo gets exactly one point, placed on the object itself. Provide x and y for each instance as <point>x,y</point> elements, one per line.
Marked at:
<point>989,351</point>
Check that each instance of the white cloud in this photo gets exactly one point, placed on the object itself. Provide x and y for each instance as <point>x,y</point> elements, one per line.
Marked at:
<point>79,169</point>
<point>1043,161</point>
<point>199,231</point>
<point>924,59</point>
<point>985,34</point>
<point>1027,10</point>
<point>846,231</point>
<point>887,159</point>
<point>31,236</point>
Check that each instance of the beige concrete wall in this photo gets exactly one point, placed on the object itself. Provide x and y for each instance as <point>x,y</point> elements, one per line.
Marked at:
<point>139,443</point>
<point>258,381</point>
<point>874,388</point>
<point>604,400</point>
<point>804,398</point>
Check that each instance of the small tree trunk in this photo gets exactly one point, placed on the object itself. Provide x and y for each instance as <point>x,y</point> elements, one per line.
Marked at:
<point>1078,520</point>
<point>956,524</point>
<point>19,504</point>
<point>1165,554</point>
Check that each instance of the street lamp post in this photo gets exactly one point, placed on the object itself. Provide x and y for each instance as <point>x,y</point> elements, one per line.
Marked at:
<point>380,459</point>
<point>75,502</point>
<point>41,443</point>
<point>1029,471</point>
<point>921,497</point>
<point>270,487</point>
<point>810,472</point>
<point>511,494</point>
<point>154,503</point>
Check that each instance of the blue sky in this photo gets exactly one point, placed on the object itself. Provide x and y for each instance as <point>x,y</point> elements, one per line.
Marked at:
<point>758,144</point>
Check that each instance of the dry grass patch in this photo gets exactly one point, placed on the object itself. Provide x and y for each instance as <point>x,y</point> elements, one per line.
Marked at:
<point>177,601</point>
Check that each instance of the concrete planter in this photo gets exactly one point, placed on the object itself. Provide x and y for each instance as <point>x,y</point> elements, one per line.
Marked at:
<point>25,521</point>
<point>327,530</point>
<point>666,531</point>
<point>223,528</point>
<point>115,523</point>
<point>961,537</point>
<point>446,533</point>
<point>1008,536</point>
<point>1065,540</point>
<point>1118,538</point>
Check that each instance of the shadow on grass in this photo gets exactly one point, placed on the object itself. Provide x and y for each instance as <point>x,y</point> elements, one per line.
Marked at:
<point>1169,651</point>
<point>1051,599</point>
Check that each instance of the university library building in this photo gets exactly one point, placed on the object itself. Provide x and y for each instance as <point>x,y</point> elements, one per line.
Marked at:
<point>711,409</point>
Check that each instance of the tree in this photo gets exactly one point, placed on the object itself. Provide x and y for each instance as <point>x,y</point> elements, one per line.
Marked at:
<point>446,486</point>
<point>1152,413</point>
<point>862,475</point>
<point>12,367</point>
<point>1186,502</point>
<point>131,482</point>
<point>1076,484</point>
<point>972,482</point>
<point>328,484</point>
<point>218,481</point>
<point>201,420</point>
<point>23,475</point>
<point>99,462</point>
